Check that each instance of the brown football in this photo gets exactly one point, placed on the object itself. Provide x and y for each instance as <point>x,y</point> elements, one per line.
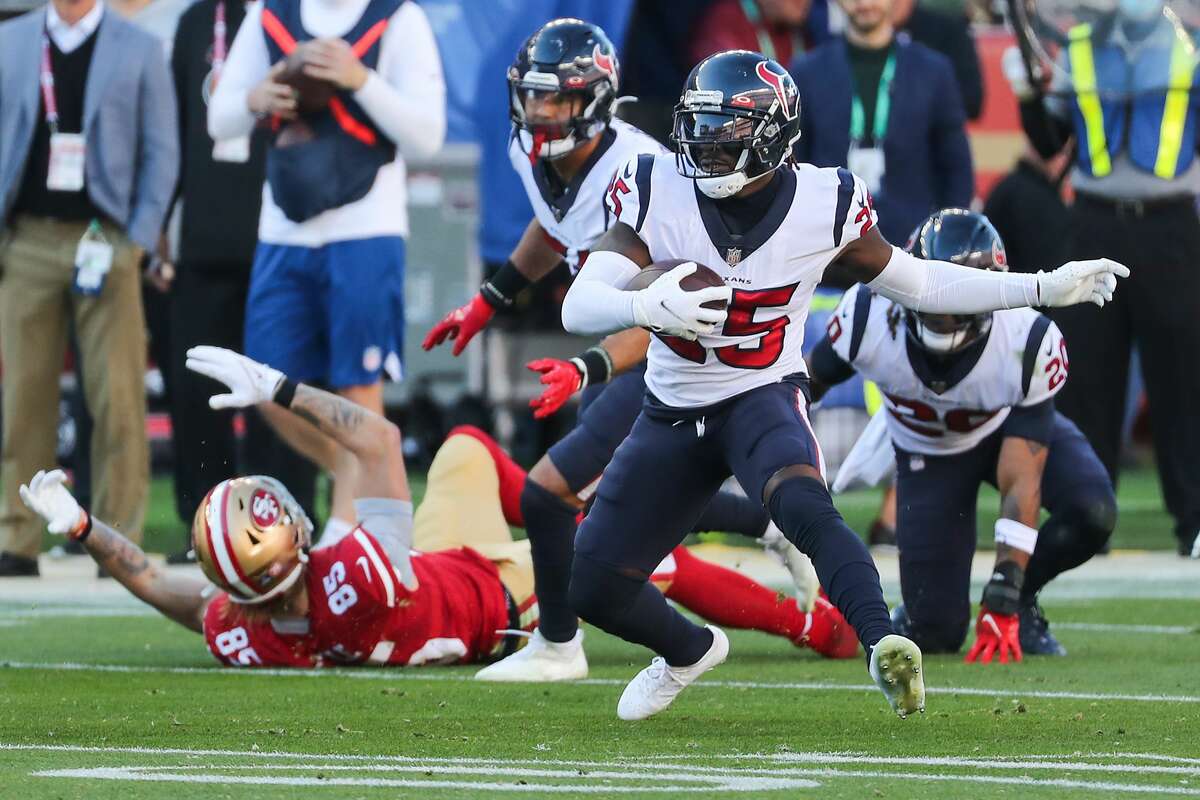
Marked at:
<point>702,278</point>
<point>312,94</point>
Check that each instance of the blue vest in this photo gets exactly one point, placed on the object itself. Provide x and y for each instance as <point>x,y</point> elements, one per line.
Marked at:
<point>334,159</point>
<point>1145,106</point>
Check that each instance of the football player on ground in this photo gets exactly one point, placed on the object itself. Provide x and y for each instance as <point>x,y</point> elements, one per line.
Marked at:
<point>566,145</point>
<point>726,389</point>
<point>464,595</point>
<point>970,398</point>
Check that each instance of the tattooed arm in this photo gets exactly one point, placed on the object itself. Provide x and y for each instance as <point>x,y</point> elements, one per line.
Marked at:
<point>1019,478</point>
<point>180,597</point>
<point>374,441</point>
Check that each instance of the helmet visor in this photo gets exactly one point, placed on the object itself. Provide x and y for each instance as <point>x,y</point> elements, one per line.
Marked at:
<point>715,143</point>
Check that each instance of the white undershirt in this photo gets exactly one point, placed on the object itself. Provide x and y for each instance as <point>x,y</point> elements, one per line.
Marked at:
<point>405,97</point>
<point>68,37</point>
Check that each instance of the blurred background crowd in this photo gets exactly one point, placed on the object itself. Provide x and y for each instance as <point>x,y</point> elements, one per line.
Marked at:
<point>924,86</point>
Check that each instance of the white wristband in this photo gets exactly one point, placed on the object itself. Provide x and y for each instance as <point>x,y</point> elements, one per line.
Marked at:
<point>1014,534</point>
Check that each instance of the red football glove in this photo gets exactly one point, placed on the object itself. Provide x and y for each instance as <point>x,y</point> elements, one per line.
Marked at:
<point>562,379</point>
<point>461,325</point>
<point>995,633</point>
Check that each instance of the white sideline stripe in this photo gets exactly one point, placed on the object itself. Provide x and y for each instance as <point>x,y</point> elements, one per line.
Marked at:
<point>732,783</point>
<point>429,675</point>
<point>53,613</point>
<point>1018,762</point>
<point>1173,630</point>
<point>711,778</point>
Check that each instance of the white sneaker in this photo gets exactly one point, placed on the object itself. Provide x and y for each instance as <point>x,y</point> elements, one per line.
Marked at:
<point>656,687</point>
<point>896,668</point>
<point>540,661</point>
<point>804,576</point>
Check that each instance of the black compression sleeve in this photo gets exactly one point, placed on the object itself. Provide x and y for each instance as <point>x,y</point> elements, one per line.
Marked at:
<point>501,290</point>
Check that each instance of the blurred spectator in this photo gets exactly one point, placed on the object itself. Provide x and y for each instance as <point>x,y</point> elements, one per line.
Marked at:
<point>949,33</point>
<point>1135,176</point>
<point>87,166</point>
<point>656,61</point>
<point>779,29</point>
<point>326,299</point>
<point>1028,212</point>
<point>221,189</point>
<point>888,109</point>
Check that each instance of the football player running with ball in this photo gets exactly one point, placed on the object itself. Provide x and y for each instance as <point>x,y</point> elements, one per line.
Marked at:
<point>970,398</point>
<point>727,390</point>
<point>566,145</point>
<point>465,594</point>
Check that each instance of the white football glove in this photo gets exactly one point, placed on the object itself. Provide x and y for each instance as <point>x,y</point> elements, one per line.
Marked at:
<point>1090,281</point>
<point>664,307</point>
<point>249,382</point>
<point>47,497</point>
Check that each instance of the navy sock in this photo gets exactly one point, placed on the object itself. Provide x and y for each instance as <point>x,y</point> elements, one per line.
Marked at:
<point>803,510</point>
<point>732,513</point>
<point>550,525</point>
<point>630,607</point>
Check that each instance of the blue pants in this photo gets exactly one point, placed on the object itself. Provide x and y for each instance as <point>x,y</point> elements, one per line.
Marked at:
<point>936,530</point>
<point>663,475</point>
<point>606,414</point>
<point>332,314</point>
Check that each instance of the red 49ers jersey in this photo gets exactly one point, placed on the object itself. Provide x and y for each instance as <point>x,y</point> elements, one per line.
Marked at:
<point>772,268</point>
<point>359,612</point>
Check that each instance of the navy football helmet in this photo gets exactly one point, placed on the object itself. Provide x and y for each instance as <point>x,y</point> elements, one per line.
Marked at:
<point>565,60</point>
<point>736,121</point>
<point>960,237</point>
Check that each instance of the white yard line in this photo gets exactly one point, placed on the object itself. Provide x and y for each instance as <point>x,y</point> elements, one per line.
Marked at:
<point>652,775</point>
<point>428,674</point>
<point>1170,630</point>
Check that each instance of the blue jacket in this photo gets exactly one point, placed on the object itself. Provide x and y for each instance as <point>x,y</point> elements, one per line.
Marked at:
<point>925,148</point>
<point>129,114</point>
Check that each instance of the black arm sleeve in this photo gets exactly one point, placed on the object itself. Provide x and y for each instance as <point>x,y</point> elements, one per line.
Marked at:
<point>1035,423</point>
<point>1047,133</point>
<point>828,368</point>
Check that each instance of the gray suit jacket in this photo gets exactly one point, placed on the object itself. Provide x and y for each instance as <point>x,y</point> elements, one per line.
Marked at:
<point>129,118</point>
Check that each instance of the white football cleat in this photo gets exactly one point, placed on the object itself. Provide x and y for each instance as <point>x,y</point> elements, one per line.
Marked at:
<point>657,686</point>
<point>540,661</point>
<point>896,668</point>
<point>804,576</point>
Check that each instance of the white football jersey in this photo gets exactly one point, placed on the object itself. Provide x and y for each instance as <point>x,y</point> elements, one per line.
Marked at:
<point>1022,363</point>
<point>577,218</point>
<point>773,269</point>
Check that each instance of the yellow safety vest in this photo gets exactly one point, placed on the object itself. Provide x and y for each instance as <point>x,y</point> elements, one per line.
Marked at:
<point>1087,96</point>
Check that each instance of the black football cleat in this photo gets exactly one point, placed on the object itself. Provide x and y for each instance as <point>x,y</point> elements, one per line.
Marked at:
<point>1036,638</point>
<point>1189,547</point>
<point>15,566</point>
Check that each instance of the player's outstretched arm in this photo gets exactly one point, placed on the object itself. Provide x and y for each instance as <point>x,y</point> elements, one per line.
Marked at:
<point>178,597</point>
<point>532,260</point>
<point>944,288</point>
<point>374,441</point>
<point>596,365</point>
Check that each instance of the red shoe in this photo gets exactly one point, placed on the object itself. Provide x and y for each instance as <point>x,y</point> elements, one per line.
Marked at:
<point>828,633</point>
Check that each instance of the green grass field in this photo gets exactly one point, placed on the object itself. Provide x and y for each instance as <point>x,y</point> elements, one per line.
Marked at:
<point>100,699</point>
<point>132,707</point>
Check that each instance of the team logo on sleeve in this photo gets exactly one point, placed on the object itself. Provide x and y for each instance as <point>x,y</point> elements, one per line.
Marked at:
<point>264,509</point>
<point>776,82</point>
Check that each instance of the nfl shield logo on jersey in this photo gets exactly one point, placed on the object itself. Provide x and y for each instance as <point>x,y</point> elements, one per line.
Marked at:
<point>733,256</point>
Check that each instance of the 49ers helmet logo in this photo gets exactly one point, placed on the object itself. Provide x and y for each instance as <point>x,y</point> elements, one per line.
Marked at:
<point>264,509</point>
<point>776,82</point>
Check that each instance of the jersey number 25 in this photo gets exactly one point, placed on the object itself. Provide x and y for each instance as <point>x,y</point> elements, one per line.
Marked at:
<point>741,322</point>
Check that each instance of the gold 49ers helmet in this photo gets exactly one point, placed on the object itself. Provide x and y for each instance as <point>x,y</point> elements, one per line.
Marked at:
<point>251,538</point>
